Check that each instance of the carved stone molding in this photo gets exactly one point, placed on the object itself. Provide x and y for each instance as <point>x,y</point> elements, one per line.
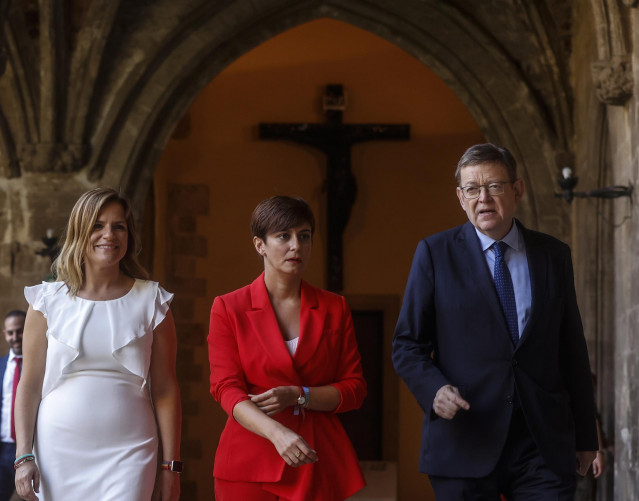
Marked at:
<point>52,157</point>
<point>613,80</point>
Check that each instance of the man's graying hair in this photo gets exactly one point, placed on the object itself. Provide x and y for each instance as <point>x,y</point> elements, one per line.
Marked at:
<point>487,153</point>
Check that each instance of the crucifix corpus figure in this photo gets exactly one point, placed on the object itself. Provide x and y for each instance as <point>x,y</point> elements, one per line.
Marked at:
<point>335,139</point>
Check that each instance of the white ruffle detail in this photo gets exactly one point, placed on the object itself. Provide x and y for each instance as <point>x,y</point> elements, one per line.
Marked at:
<point>131,319</point>
<point>162,302</point>
<point>37,295</point>
<point>133,348</point>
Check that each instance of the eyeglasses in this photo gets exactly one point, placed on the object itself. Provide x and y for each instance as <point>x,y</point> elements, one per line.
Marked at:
<point>495,188</point>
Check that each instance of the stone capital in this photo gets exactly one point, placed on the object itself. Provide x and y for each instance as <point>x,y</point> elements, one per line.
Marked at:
<point>52,157</point>
<point>613,80</point>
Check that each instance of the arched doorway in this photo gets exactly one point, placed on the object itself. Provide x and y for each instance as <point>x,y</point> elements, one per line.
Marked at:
<point>406,191</point>
<point>467,59</point>
<point>137,66</point>
<point>153,96</point>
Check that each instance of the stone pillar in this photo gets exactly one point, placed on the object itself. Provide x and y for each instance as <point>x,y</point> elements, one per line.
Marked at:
<point>623,135</point>
<point>624,150</point>
<point>29,205</point>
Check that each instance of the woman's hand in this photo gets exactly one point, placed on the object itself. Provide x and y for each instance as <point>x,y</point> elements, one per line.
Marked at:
<point>293,448</point>
<point>289,445</point>
<point>28,481</point>
<point>276,399</point>
<point>167,486</point>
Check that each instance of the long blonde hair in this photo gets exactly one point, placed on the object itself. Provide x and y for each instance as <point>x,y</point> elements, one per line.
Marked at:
<point>69,265</point>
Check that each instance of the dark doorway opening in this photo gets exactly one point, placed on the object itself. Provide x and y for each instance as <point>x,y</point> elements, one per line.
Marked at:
<point>364,426</point>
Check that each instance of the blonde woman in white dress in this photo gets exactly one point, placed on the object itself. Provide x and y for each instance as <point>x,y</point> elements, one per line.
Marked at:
<point>98,405</point>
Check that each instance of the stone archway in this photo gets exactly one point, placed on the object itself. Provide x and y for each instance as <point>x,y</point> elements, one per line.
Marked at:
<point>152,99</point>
<point>166,95</point>
<point>99,108</point>
<point>91,90</point>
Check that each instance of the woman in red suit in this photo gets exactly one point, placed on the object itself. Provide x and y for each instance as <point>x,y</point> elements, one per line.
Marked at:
<point>284,361</point>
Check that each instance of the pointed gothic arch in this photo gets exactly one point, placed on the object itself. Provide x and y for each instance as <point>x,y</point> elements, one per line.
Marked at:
<point>151,98</point>
<point>139,65</point>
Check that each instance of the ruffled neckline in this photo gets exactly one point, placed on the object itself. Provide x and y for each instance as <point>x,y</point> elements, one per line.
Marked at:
<point>131,317</point>
<point>124,296</point>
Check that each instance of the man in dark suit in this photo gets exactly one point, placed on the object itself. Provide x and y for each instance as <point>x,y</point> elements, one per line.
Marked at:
<point>490,342</point>
<point>10,368</point>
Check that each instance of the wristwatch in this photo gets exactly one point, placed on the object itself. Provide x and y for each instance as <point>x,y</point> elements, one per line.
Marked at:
<point>304,398</point>
<point>174,466</point>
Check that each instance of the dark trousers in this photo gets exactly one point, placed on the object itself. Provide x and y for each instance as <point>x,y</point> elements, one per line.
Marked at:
<point>7,473</point>
<point>521,474</point>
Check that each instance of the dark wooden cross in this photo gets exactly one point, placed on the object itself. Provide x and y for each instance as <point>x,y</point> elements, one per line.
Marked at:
<point>335,139</point>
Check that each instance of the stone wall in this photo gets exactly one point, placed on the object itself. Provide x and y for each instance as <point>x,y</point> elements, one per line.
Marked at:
<point>30,205</point>
<point>98,107</point>
<point>592,234</point>
<point>605,231</point>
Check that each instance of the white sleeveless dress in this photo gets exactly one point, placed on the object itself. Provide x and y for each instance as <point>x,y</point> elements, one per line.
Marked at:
<point>96,435</point>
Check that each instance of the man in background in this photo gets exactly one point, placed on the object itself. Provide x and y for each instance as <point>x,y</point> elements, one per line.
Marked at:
<point>10,369</point>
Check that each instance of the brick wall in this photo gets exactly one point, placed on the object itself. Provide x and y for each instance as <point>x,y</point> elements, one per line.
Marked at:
<point>183,248</point>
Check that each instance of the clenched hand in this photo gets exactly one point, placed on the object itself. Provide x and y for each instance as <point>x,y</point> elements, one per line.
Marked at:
<point>448,401</point>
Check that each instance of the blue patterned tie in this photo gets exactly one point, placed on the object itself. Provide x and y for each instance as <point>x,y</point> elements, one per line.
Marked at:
<point>505,290</point>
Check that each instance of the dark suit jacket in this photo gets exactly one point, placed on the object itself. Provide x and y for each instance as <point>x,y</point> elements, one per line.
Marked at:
<point>451,310</point>
<point>248,356</point>
<point>3,367</point>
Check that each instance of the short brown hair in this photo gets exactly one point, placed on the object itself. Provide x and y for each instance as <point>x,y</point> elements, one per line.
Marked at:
<point>69,265</point>
<point>280,213</point>
<point>487,153</point>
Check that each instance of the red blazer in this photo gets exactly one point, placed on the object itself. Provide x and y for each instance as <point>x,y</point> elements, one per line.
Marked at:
<point>247,354</point>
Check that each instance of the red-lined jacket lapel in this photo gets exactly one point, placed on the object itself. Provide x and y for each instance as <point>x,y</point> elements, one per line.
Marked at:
<point>312,318</point>
<point>267,330</point>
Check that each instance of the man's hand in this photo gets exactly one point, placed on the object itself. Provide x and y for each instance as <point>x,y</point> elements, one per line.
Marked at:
<point>584,460</point>
<point>448,401</point>
<point>599,464</point>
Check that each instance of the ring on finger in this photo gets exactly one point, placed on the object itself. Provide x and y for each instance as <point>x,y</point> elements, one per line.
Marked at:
<point>298,453</point>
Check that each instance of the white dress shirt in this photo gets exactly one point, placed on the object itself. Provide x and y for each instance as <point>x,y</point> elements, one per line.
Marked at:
<point>517,263</point>
<point>7,393</point>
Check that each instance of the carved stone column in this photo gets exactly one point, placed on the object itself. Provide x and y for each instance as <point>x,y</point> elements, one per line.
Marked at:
<point>613,80</point>
<point>52,157</point>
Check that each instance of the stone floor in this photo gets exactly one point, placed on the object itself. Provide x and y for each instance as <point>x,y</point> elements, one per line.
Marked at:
<point>381,481</point>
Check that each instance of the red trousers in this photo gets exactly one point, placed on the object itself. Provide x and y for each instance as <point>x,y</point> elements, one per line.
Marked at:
<point>233,491</point>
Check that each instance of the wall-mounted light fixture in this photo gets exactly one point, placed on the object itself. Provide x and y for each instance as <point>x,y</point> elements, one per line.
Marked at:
<point>51,248</point>
<point>567,183</point>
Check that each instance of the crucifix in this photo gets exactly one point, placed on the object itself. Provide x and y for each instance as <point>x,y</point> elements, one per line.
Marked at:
<point>334,139</point>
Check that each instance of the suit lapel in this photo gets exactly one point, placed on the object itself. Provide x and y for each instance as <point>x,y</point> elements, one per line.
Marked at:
<point>312,318</point>
<point>3,367</point>
<point>476,268</point>
<point>267,330</point>
<point>537,268</point>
